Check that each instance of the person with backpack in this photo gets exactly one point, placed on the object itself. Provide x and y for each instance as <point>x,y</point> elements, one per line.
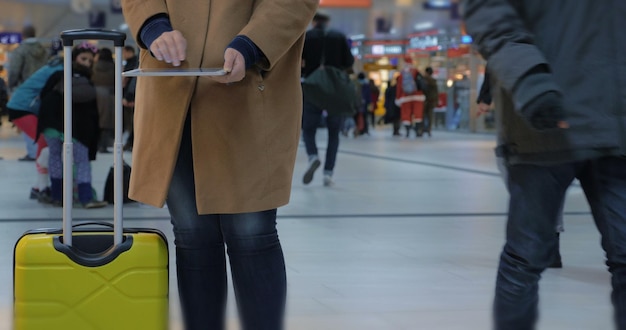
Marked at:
<point>410,98</point>
<point>27,58</point>
<point>23,109</point>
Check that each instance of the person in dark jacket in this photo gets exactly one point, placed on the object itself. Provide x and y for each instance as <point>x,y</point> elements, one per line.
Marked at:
<point>131,61</point>
<point>336,52</point>
<point>484,98</point>
<point>392,110</point>
<point>4,96</point>
<point>103,79</point>
<point>431,91</point>
<point>84,125</point>
<point>559,120</point>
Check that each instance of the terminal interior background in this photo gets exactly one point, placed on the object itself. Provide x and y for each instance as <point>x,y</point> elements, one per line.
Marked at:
<point>385,35</point>
<point>410,236</point>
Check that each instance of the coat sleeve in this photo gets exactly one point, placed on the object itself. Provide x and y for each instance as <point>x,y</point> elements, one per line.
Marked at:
<point>137,12</point>
<point>502,38</point>
<point>346,54</point>
<point>276,25</point>
<point>484,96</point>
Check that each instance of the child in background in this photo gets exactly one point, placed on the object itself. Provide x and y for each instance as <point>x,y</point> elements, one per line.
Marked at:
<point>84,125</point>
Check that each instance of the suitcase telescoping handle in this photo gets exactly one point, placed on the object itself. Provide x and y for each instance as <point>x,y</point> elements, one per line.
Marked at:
<point>68,38</point>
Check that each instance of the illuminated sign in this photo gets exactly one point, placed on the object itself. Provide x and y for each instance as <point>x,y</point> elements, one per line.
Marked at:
<point>375,49</point>
<point>466,39</point>
<point>346,3</point>
<point>424,41</point>
<point>437,4</point>
<point>9,38</point>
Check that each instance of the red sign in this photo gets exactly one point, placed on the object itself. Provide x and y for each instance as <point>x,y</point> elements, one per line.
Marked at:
<point>346,3</point>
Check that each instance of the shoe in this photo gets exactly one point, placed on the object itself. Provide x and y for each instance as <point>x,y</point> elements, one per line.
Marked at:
<point>45,196</point>
<point>308,175</point>
<point>56,203</point>
<point>27,158</point>
<point>328,181</point>
<point>95,204</point>
<point>34,193</point>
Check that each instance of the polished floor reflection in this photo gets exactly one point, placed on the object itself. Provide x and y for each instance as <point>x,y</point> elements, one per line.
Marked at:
<point>407,239</point>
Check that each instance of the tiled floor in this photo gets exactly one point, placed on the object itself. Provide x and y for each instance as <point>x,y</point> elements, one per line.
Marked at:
<point>408,239</point>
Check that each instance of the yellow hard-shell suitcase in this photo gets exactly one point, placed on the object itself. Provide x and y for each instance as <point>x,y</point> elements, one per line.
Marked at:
<point>91,275</point>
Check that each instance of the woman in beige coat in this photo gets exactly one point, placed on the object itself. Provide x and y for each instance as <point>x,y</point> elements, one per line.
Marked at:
<point>221,151</point>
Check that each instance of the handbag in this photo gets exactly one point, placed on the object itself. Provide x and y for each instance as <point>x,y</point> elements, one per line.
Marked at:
<point>108,186</point>
<point>330,88</point>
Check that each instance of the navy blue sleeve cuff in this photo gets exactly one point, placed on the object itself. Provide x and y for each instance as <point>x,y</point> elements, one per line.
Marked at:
<point>251,53</point>
<point>153,28</point>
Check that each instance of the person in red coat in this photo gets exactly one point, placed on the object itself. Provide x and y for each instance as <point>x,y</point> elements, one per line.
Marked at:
<point>410,98</point>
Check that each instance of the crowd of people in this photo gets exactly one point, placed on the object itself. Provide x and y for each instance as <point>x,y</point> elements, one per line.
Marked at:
<point>410,98</point>
<point>33,101</point>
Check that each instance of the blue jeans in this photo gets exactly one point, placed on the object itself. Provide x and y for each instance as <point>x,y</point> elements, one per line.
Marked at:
<point>536,196</point>
<point>255,254</point>
<point>310,120</point>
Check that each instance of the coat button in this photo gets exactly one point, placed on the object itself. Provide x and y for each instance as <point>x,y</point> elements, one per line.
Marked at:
<point>261,87</point>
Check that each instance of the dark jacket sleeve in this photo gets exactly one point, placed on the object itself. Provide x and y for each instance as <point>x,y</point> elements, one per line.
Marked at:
<point>129,92</point>
<point>346,54</point>
<point>508,46</point>
<point>484,96</point>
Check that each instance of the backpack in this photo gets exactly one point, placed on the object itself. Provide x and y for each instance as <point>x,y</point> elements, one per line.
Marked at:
<point>408,83</point>
<point>26,96</point>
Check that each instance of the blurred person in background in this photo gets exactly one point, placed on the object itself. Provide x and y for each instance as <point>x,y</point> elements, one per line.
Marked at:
<point>375,95</point>
<point>392,110</point>
<point>23,108</point>
<point>103,79</point>
<point>336,53</point>
<point>4,96</point>
<point>27,58</point>
<point>84,125</point>
<point>431,91</point>
<point>410,98</point>
<point>363,113</point>
<point>221,150</point>
<point>559,120</point>
<point>131,61</point>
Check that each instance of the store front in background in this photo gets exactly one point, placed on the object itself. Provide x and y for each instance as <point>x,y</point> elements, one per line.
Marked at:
<point>458,73</point>
<point>379,60</point>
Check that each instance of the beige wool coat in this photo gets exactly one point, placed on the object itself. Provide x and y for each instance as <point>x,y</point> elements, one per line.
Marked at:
<point>244,135</point>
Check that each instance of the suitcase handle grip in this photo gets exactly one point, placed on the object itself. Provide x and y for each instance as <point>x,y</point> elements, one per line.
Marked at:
<point>70,36</point>
<point>93,223</point>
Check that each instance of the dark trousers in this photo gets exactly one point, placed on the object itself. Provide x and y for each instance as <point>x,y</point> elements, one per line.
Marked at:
<point>536,196</point>
<point>255,254</point>
<point>310,118</point>
<point>429,116</point>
